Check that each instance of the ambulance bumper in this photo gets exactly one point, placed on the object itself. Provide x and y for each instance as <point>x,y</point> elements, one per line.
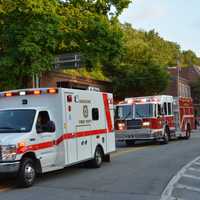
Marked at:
<point>137,134</point>
<point>9,167</point>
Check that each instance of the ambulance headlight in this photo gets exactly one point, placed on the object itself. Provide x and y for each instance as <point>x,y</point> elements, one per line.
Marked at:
<point>146,124</point>
<point>8,152</point>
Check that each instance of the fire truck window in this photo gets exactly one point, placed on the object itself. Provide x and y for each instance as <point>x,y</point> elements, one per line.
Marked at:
<point>95,114</point>
<point>169,108</point>
<point>165,108</point>
<point>42,122</point>
<point>159,110</point>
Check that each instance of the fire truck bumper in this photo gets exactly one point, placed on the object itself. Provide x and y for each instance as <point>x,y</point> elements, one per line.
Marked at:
<point>137,134</point>
<point>9,167</point>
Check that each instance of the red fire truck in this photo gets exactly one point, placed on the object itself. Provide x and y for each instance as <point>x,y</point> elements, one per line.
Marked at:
<point>158,118</point>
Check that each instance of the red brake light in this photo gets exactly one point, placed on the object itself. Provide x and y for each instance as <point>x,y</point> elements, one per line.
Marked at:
<point>69,98</point>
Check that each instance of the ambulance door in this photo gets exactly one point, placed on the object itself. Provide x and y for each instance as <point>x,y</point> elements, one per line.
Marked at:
<point>99,124</point>
<point>46,133</point>
<point>109,120</point>
<point>70,131</point>
<point>84,129</point>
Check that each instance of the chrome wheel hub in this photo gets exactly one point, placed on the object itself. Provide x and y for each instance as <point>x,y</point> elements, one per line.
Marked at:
<point>29,173</point>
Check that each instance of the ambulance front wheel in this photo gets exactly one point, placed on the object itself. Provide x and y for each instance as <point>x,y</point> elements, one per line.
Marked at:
<point>27,173</point>
<point>98,158</point>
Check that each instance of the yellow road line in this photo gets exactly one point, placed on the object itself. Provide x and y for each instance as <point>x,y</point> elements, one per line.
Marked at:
<point>119,153</point>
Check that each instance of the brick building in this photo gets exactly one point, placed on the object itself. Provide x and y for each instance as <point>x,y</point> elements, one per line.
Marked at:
<point>60,79</point>
<point>181,81</point>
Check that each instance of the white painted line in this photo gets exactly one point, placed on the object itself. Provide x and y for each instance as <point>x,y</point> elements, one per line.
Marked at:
<point>195,189</point>
<point>167,193</point>
<point>194,169</point>
<point>191,176</point>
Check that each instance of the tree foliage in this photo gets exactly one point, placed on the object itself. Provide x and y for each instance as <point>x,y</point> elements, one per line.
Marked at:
<point>32,32</point>
<point>141,69</point>
<point>189,58</point>
<point>28,39</point>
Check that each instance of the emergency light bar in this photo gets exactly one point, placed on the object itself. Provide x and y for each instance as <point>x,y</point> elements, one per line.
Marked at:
<point>141,100</point>
<point>29,92</point>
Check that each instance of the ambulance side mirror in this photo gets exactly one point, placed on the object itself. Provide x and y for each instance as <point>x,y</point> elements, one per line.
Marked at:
<point>51,127</point>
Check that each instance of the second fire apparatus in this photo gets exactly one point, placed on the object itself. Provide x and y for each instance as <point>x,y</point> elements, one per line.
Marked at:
<point>155,117</point>
<point>47,129</point>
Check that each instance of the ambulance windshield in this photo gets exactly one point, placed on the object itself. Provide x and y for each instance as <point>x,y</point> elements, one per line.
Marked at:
<point>124,112</point>
<point>143,110</point>
<point>16,121</point>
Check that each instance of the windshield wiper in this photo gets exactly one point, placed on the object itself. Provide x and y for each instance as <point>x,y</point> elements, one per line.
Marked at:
<point>6,127</point>
<point>139,114</point>
<point>126,115</point>
<point>10,128</point>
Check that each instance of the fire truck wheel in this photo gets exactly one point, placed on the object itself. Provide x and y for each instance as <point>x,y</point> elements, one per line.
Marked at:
<point>188,132</point>
<point>130,142</point>
<point>27,173</point>
<point>98,158</point>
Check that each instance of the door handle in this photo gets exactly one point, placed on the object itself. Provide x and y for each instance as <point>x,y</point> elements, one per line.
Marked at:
<point>32,139</point>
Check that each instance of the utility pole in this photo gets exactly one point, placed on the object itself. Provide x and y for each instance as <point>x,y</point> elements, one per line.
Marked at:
<point>178,76</point>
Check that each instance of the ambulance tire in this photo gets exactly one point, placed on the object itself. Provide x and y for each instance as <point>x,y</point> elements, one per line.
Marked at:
<point>98,158</point>
<point>27,173</point>
<point>188,132</point>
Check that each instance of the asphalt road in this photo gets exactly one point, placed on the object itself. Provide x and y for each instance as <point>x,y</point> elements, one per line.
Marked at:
<point>141,172</point>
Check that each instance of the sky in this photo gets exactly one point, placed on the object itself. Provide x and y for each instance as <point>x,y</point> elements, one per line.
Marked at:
<point>174,20</point>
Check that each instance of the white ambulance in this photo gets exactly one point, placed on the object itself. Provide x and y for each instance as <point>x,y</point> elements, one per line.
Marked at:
<point>47,129</point>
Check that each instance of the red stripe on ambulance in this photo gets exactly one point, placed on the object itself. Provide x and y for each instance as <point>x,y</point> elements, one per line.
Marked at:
<point>65,136</point>
<point>107,111</point>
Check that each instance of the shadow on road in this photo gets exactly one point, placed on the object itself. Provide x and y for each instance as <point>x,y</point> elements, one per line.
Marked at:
<point>9,181</point>
<point>137,144</point>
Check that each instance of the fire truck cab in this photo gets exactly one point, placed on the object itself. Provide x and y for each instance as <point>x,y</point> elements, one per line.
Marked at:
<point>159,118</point>
<point>47,129</point>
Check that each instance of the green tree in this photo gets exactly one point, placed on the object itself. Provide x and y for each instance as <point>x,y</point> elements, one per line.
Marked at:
<point>32,32</point>
<point>142,66</point>
<point>29,37</point>
<point>87,28</point>
<point>189,58</point>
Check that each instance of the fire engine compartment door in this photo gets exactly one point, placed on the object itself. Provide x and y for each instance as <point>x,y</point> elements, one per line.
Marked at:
<point>176,115</point>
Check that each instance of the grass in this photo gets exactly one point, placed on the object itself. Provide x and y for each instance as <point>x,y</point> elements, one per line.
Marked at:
<point>96,74</point>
